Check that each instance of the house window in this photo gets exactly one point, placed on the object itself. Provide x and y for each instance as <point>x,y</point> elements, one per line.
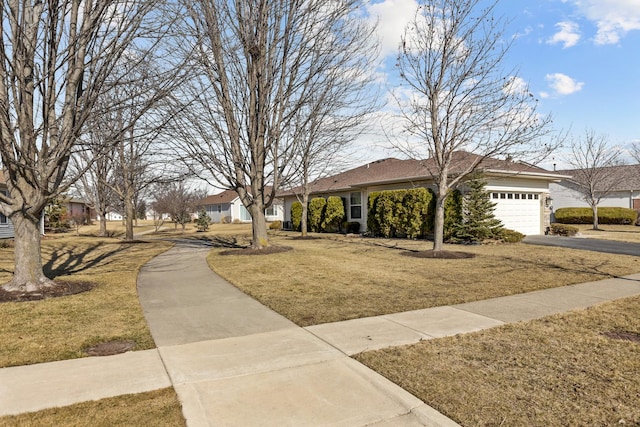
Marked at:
<point>3,218</point>
<point>355,203</point>
<point>219,208</point>
<point>270,211</point>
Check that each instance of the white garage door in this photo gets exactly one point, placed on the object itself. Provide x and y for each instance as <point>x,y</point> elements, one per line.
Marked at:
<point>518,211</point>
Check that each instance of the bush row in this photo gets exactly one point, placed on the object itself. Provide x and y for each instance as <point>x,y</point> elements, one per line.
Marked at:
<point>605,215</point>
<point>410,213</point>
<point>323,215</point>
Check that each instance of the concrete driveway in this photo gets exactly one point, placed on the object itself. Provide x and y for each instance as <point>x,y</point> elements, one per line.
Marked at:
<point>597,245</point>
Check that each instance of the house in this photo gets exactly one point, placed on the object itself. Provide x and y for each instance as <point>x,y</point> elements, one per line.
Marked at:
<point>226,207</point>
<point>620,187</point>
<point>520,191</point>
<point>6,227</point>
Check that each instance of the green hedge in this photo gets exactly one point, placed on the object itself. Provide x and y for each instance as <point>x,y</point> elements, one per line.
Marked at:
<point>605,215</point>
<point>296,215</point>
<point>315,213</point>
<point>333,215</point>
<point>400,213</point>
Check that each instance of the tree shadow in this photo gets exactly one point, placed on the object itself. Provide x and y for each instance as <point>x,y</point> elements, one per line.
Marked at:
<point>221,242</point>
<point>70,259</point>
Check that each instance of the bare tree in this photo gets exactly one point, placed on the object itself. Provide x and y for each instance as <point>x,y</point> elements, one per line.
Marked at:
<point>461,99</point>
<point>593,174</point>
<point>98,163</point>
<point>177,200</point>
<point>54,60</point>
<point>135,134</point>
<point>333,117</point>
<point>261,62</point>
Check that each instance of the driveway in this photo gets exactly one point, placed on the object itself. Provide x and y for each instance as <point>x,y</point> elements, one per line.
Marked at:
<point>597,245</point>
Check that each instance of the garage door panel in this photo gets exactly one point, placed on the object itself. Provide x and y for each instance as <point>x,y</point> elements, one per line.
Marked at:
<point>522,214</point>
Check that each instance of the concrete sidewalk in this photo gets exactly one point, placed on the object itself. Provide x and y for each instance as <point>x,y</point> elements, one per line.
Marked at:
<point>233,361</point>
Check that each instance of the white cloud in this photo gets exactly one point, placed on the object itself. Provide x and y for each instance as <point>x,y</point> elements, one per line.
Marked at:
<point>568,34</point>
<point>613,18</point>
<point>392,16</point>
<point>516,85</point>
<point>563,84</point>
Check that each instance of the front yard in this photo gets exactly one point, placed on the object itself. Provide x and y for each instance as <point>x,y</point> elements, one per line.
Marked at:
<point>336,278</point>
<point>560,370</point>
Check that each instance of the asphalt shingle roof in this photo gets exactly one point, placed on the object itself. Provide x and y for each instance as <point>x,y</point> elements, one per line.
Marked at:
<point>615,178</point>
<point>390,170</point>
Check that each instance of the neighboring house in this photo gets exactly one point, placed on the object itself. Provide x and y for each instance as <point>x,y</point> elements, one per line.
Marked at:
<point>622,189</point>
<point>114,216</point>
<point>78,208</point>
<point>6,227</point>
<point>227,207</point>
<point>520,191</point>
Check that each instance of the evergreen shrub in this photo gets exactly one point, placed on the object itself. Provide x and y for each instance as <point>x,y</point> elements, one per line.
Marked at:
<point>296,215</point>
<point>606,215</point>
<point>563,229</point>
<point>315,214</point>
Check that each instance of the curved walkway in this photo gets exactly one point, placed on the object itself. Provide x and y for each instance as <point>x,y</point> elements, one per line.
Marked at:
<point>234,362</point>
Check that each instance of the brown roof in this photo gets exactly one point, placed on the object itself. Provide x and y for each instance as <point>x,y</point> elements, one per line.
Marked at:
<point>227,196</point>
<point>614,178</point>
<point>396,170</point>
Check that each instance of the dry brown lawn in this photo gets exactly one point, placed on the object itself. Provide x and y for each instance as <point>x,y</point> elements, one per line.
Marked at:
<point>62,328</point>
<point>623,233</point>
<point>556,371</point>
<point>156,408</point>
<point>336,278</point>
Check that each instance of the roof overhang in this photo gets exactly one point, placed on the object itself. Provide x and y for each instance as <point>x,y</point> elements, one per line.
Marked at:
<point>554,177</point>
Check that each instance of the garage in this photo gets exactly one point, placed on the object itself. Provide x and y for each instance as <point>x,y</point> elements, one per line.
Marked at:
<point>519,211</point>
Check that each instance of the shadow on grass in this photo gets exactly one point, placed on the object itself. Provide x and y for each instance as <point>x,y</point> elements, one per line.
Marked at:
<point>71,259</point>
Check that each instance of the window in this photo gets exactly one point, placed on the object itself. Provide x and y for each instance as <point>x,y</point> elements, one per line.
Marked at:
<point>3,218</point>
<point>494,195</point>
<point>270,211</point>
<point>503,196</point>
<point>219,208</point>
<point>355,202</point>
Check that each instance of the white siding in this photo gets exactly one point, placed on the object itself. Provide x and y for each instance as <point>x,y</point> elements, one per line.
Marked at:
<point>566,197</point>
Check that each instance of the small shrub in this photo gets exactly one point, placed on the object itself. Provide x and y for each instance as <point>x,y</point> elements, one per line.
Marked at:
<point>237,221</point>
<point>6,243</point>
<point>510,236</point>
<point>315,214</point>
<point>351,227</point>
<point>296,215</point>
<point>203,221</point>
<point>563,230</point>
<point>224,220</point>
<point>606,215</point>
<point>275,225</point>
<point>333,215</point>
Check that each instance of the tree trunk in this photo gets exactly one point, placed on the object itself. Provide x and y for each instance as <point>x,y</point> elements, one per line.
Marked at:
<point>594,208</point>
<point>438,228</point>
<point>28,275</point>
<point>129,213</point>
<point>305,212</point>
<point>260,239</point>
<point>103,226</point>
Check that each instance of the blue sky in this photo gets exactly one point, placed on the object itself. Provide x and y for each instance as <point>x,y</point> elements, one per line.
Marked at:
<point>581,59</point>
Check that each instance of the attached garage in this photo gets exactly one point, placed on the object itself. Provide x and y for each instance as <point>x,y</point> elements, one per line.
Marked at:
<point>519,211</point>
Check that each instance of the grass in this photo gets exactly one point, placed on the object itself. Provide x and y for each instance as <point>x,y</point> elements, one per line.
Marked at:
<point>622,233</point>
<point>336,278</point>
<point>157,408</point>
<point>555,371</point>
<point>62,328</point>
